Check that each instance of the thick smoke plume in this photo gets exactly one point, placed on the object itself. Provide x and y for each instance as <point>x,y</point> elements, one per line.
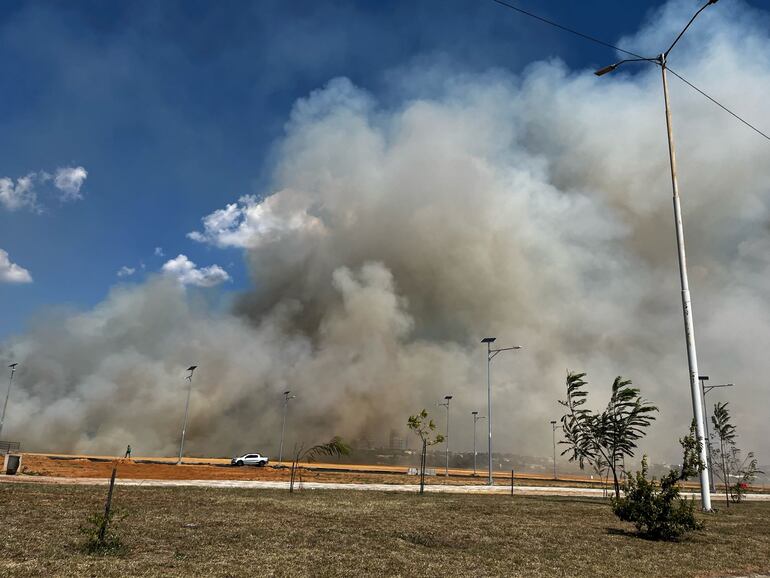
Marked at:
<point>535,208</point>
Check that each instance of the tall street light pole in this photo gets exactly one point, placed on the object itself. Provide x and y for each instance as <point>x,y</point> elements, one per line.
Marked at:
<point>705,389</point>
<point>447,399</point>
<point>12,367</point>
<point>689,331</point>
<point>702,379</point>
<point>554,427</point>
<point>191,369</point>
<point>286,398</point>
<point>476,417</point>
<point>490,355</point>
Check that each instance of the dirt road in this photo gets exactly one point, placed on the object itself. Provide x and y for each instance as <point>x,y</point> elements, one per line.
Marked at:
<point>521,490</point>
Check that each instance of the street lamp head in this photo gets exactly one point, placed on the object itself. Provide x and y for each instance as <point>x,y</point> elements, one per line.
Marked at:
<point>553,422</point>
<point>605,70</point>
<point>447,397</point>
<point>489,340</point>
<point>474,413</point>
<point>287,392</point>
<point>192,368</point>
<point>703,377</point>
<point>13,365</point>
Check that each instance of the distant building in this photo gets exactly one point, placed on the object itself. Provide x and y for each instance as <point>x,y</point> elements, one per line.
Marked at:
<point>363,443</point>
<point>396,442</point>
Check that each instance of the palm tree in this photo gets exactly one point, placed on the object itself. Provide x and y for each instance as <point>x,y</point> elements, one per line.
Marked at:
<point>335,447</point>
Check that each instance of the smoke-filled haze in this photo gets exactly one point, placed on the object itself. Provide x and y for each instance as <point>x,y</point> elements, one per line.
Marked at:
<point>533,207</point>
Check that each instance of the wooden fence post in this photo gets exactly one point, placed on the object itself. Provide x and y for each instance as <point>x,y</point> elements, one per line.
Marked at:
<point>107,507</point>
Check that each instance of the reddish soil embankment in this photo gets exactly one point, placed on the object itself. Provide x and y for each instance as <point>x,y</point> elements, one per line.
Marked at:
<point>165,469</point>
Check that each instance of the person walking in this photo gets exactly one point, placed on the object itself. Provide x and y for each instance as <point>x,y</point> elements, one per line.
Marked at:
<point>128,452</point>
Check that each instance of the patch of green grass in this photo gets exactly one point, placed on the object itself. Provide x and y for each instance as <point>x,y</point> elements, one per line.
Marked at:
<point>215,532</point>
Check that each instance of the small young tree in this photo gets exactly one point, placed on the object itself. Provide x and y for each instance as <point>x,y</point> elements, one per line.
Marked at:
<point>726,457</point>
<point>98,529</point>
<point>423,427</point>
<point>334,447</point>
<point>746,472</point>
<point>600,468</point>
<point>608,436</point>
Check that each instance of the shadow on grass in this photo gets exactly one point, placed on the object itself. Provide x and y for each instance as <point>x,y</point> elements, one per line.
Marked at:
<point>623,532</point>
<point>646,537</point>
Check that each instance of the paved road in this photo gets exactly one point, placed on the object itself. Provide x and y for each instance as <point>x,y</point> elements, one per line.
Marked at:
<point>260,484</point>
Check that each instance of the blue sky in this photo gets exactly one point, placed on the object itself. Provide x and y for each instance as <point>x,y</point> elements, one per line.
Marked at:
<point>172,108</point>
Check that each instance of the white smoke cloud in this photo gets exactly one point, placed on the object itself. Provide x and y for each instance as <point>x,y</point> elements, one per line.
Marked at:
<point>11,272</point>
<point>67,183</point>
<point>534,208</point>
<point>185,271</point>
<point>126,271</point>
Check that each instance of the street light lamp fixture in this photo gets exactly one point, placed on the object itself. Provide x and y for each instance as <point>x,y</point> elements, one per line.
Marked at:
<point>692,357</point>
<point>612,67</point>
<point>491,353</point>
<point>12,367</point>
<point>189,377</point>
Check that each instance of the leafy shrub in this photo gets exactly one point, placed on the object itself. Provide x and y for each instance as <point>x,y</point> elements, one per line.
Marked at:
<point>658,513</point>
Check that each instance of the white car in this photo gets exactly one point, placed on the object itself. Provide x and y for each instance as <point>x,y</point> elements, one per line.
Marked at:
<point>250,460</point>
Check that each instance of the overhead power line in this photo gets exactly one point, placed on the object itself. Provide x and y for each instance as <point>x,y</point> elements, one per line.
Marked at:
<point>564,28</point>
<point>719,104</point>
<point>506,4</point>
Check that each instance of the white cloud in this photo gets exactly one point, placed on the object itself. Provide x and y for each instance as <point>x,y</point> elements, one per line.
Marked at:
<point>69,180</point>
<point>126,271</point>
<point>188,274</point>
<point>11,272</point>
<point>19,196</point>
<point>67,183</point>
<point>250,222</point>
<point>159,252</point>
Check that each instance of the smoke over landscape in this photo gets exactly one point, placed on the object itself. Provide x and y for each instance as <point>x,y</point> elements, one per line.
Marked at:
<point>535,208</point>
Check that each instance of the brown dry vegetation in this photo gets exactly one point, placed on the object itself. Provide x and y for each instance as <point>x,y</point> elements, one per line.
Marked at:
<point>195,532</point>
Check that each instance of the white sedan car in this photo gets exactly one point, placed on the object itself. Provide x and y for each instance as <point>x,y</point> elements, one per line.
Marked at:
<point>250,460</point>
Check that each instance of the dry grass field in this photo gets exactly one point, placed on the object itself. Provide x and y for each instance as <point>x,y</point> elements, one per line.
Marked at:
<point>214,532</point>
